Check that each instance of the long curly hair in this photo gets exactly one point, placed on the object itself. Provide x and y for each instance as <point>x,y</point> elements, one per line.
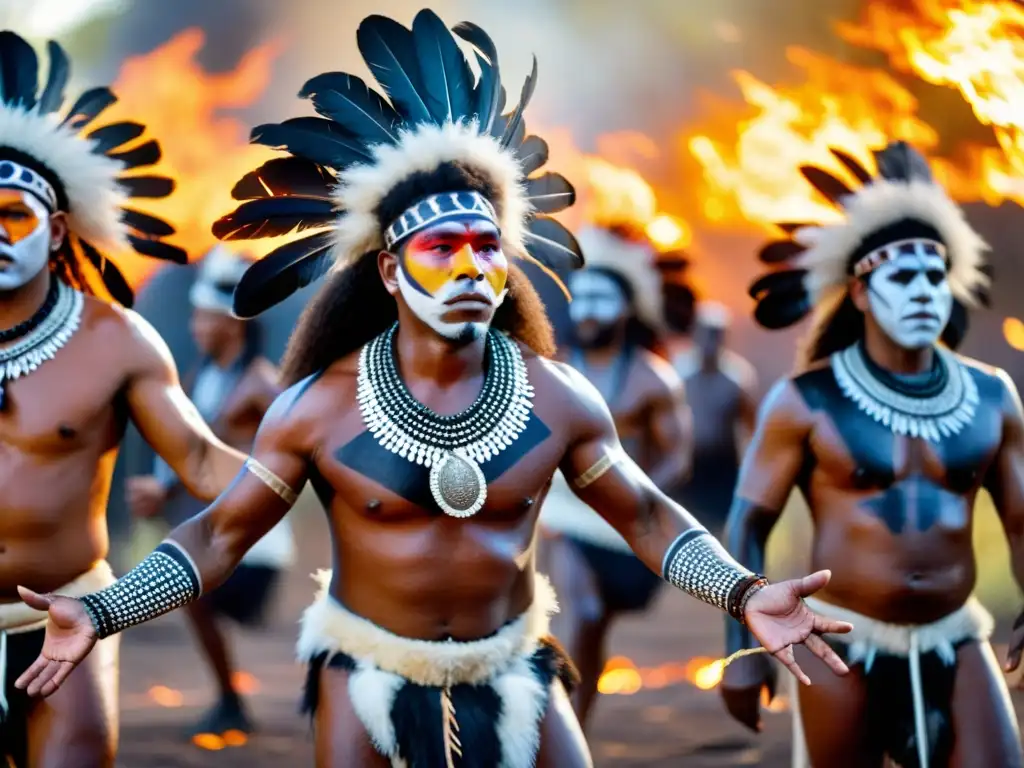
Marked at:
<point>354,307</point>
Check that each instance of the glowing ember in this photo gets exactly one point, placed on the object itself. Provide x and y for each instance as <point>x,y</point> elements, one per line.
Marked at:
<point>1013,332</point>
<point>205,150</point>
<point>245,683</point>
<point>234,738</point>
<point>210,741</point>
<point>166,697</point>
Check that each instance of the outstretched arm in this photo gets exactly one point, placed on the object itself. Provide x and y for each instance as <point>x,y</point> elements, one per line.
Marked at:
<point>673,544</point>
<point>196,557</point>
<point>768,474</point>
<point>1005,481</point>
<point>169,421</point>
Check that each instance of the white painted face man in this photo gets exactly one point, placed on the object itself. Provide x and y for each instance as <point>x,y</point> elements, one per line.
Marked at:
<point>26,238</point>
<point>909,296</point>
<point>597,308</point>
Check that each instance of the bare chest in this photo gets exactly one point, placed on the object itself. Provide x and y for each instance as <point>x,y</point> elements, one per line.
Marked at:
<point>68,404</point>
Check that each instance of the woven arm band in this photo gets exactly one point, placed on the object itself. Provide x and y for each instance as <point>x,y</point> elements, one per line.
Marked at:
<point>165,580</point>
<point>700,566</point>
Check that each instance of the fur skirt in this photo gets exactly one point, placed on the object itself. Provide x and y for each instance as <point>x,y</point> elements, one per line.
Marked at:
<point>425,704</point>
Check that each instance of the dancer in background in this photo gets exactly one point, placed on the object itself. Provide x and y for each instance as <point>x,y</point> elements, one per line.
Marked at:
<point>74,369</point>
<point>889,435</point>
<point>721,388</point>
<point>427,417</point>
<point>232,388</point>
<point>616,309</point>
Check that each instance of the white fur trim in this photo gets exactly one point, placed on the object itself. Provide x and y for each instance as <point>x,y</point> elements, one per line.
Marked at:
<point>372,692</point>
<point>90,180</point>
<point>877,205</point>
<point>633,261</point>
<point>327,626</point>
<point>870,636</point>
<point>424,148</point>
<point>523,703</point>
<point>18,617</point>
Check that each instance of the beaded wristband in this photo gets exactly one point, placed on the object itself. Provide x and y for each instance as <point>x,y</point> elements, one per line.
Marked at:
<point>700,566</point>
<point>165,580</point>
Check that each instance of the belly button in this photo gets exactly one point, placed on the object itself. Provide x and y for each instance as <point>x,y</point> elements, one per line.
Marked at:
<point>65,431</point>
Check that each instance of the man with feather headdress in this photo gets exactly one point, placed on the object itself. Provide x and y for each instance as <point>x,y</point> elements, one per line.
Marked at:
<point>889,435</point>
<point>74,368</point>
<point>617,318</point>
<point>424,410</point>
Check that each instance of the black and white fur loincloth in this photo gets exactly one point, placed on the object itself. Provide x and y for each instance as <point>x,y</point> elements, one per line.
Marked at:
<point>499,686</point>
<point>909,672</point>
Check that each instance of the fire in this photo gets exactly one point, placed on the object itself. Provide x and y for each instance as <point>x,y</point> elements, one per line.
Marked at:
<point>1013,332</point>
<point>166,697</point>
<point>974,46</point>
<point>621,676</point>
<point>245,682</point>
<point>214,742</point>
<point>751,155</point>
<point>205,149</point>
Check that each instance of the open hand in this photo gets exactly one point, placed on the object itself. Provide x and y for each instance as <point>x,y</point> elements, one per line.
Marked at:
<point>1013,653</point>
<point>70,635</point>
<point>145,495</point>
<point>778,617</point>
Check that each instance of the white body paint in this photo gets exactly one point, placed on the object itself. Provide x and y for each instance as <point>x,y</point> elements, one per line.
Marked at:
<point>595,297</point>
<point>908,285</point>
<point>30,255</point>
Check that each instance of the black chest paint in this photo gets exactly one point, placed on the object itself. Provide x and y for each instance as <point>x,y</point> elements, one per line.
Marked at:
<point>907,498</point>
<point>411,481</point>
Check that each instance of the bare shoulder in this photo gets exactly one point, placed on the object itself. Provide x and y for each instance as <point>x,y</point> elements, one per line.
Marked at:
<point>785,405</point>
<point>994,385</point>
<point>137,343</point>
<point>657,376</point>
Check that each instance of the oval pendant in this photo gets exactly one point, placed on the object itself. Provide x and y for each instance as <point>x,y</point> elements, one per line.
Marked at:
<point>458,485</point>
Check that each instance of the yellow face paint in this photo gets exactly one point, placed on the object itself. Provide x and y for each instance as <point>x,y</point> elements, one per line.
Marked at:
<point>437,257</point>
<point>17,219</point>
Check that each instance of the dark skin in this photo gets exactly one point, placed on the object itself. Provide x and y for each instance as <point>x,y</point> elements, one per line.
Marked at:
<point>653,423</point>
<point>221,338</point>
<point>59,437</point>
<point>920,572</point>
<point>433,576</point>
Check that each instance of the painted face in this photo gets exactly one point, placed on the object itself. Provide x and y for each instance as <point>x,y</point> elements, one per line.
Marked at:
<point>910,297</point>
<point>597,307</point>
<point>24,238</point>
<point>453,275</point>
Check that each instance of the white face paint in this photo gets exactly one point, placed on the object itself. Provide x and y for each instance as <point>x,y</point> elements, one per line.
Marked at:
<point>910,297</point>
<point>453,275</point>
<point>24,238</point>
<point>595,297</point>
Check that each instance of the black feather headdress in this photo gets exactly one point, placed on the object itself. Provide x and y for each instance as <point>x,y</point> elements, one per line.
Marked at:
<point>811,266</point>
<point>77,168</point>
<point>432,111</point>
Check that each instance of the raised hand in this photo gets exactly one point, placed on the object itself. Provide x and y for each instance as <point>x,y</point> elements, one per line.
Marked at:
<point>70,635</point>
<point>778,617</point>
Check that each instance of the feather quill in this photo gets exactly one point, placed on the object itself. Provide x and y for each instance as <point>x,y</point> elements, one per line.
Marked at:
<point>524,98</point>
<point>489,95</point>
<point>322,141</point>
<point>390,53</point>
<point>88,107</point>
<point>274,216</point>
<point>285,176</point>
<point>281,273</point>
<point>446,77</point>
<point>19,71</point>
<point>348,100</point>
<point>853,166</point>
<point>831,188</point>
<point>550,193</point>
<point>533,153</point>
<point>52,96</point>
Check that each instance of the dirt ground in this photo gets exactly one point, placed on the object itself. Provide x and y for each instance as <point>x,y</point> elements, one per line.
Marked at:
<point>668,723</point>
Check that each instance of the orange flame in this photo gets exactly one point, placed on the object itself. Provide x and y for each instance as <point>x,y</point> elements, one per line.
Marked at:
<point>205,150</point>
<point>621,676</point>
<point>166,697</point>
<point>245,682</point>
<point>1013,332</point>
